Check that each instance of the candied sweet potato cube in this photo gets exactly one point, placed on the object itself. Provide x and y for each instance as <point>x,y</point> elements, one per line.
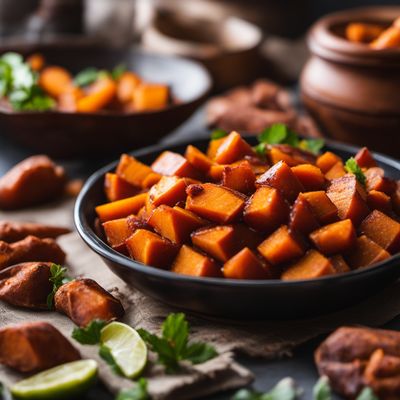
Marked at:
<point>214,202</point>
<point>326,161</point>
<point>170,190</point>
<point>365,159</point>
<point>117,188</point>
<point>257,165</point>
<point>121,208</point>
<point>55,80</point>
<point>365,252</point>
<point>266,209</point>
<point>245,265</point>
<point>173,164</point>
<point>334,238</point>
<point>349,197</point>
<point>126,85</point>
<point>215,172</point>
<point>151,180</point>
<point>198,159</point>
<point>339,264</point>
<point>282,246</point>
<point>383,230</point>
<point>290,155</point>
<point>379,200</point>
<point>232,148</point>
<point>321,205</point>
<point>312,265</point>
<point>309,176</point>
<point>281,177</point>
<point>240,177</point>
<point>150,96</point>
<point>99,95</point>
<point>213,146</point>
<point>151,249</point>
<point>132,170</point>
<point>376,180</point>
<point>302,218</point>
<point>337,171</point>
<point>175,224</point>
<point>117,231</point>
<point>191,262</point>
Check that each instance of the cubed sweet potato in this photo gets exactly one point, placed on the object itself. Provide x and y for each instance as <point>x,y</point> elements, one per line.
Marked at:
<point>365,252</point>
<point>339,264</point>
<point>383,230</point>
<point>337,171</point>
<point>126,85</point>
<point>117,231</point>
<point>365,159</point>
<point>266,209</point>
<point>326,161</point>
<point>257,165</point>
<point>312,265</point>
<point>349,197</point>
<point>245,265</point>
<point>173,164</point>
<point>174,224</point>
<point>334,238</point>
<point>55,80</point>
<point>191,262</point>
<point>379,200</point>
<point>396,199</point>
<point>121,208</point>
<point>150,180</point>
<point>302,218</point>
<point>281,177</point>
<point>214,202</point>
<point>281,247</point>
<point>170,190</point>
<point>232,148</point>
<point>215,172</point>
<point>321,206</point>
<point>100,94</point>
<point>240,177</point>
<point>198,159</point>
<point>376,180</point>
<point>310,177</point>
<point>150,96</point>
<point>132,170</point>
<point>388,39</point>
<point>117,188</point>
<point>151,249</point>
<point>289,154</point>
<point>213,146</point>
<point>36,61</point>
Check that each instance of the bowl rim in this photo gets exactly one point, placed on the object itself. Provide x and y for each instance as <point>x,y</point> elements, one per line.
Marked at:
<point>105,251</point>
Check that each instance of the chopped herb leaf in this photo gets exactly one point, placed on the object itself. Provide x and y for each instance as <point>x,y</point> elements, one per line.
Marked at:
<point>118,71</point>
<point>58,279</point>
<point>105,354</point>
<point>352,167</point>
<point>261,149</point>
<point>275,134</point>
<point>86,77</point>
<point>90,334</point>
<point>367,394</point>
<point>312,145</point>
<point>218,134</point>
<point>139,392</point>
<point>322,389</point>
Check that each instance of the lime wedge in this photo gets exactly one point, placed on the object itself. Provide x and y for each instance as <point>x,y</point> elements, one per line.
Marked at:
<point>62,382</point>
<point>126,346</point>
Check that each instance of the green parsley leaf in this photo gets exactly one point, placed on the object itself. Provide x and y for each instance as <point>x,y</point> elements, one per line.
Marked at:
<point>352,167</point>
<point>367,394</point>
<point>117,71</point>
<point>312,145</point>
<point>322,389</point>
<point>275,134</point>
<point>261,149</point>
<point>58,279</point>
<point>90,334</point>
<point>139,392</point>
<point>86,77</point>
<point>105,354</point>
<point>218,134</point>
<point>173,346</point>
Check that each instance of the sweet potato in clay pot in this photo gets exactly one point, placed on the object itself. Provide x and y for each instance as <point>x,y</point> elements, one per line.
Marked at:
<point>174,164</point>
<point>14,231</point>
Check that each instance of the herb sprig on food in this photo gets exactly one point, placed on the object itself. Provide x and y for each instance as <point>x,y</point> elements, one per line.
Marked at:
<point>352,167</point>
<point>90,75</point>
<point>90,334</point>
<point>57,278</point>
<point>218,134</point>
<point>139,392</point>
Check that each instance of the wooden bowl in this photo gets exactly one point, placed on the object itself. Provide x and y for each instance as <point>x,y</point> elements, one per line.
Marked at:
<point>66,135</point>
<point>351,89</point>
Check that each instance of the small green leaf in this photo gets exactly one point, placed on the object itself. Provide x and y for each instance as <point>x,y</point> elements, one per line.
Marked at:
<point>352,167</point>
<point>198,353</point>
<point>57,278</point>
<point>312,145</point>
<point>90,334</point>
<point>105,354</point>
<point>322,389</point>
<point>246,394</point>
<point>275,134</point>
<point>218,134</point>
<point>367,394</point>
<point>261,149</point>
<point>86,77</point>
<point>139,392</point>
<point>118,71</point>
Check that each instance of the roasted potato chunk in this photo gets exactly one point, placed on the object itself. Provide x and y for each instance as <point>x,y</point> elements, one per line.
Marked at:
<point>14,231</point>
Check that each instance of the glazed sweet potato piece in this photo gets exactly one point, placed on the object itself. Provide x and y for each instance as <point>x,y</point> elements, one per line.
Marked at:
<point>121,208</point>
<point>376,180</point>
<point>362,32</point>
<point>40,346</point>
<point>337,171</point>
<point>68,101</point>
<point>126,85</point>
<point>349,197</point>
<point>380,201</point>
<point>198,159</point>
<point>36,61</point>
<point>191,262</point>
<point>326,161</point>
<point>173,164</point>
<point>33,181</point>
<point>213,146</point>
<point>302,218</point>
<point>170,190</point>
<point>321,206</point>
<point>245,265</point>
<point>281,177</point>
<point>175,224</point>
<point>365,159</point>
<point>14,231</point>
<point>26,285</point>
<point>117,231</point>
<point>312,265</point>
<point>150,96</point>
<point>151,180</point>
<point>151,249</point>
<point>281,247</point>
<point>290,155</point>
<point>30,249</point>
<point>232,148</point>
<point>339,264</point>
<point>117,188</point>
<point>239,177</point>
<point>215,202</point>
<point>55,80</point>
<point>266,209</point>
<point>132,170</point>
<point>100,94</point>
<point>84,300</point>
<point>383,230</point>
<point>309,176</point>
<point>365,252</point>
<point>390,38</point>
<point>334,238</point>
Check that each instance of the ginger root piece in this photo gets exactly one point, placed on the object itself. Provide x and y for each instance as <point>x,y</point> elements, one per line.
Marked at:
<point>26,285</point>
<point>84,300</point>
<point>34,180</point>
<point>34,346</point>
<point>30,249</point>
<point>14,231</point>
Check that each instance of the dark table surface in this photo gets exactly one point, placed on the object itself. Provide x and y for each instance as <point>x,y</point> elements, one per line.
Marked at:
<point>300,367</point>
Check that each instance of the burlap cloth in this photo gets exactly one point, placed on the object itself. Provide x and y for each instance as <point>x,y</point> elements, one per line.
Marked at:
<point>268,339</point>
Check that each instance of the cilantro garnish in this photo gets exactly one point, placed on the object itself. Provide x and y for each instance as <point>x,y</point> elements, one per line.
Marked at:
<point>105,354</point>
<point>314,146</point>
<point>139,392</point>
<point>322,389</point>
<point>86,77</point>
<point>90,334</point>
<point>352,167</point>
<point>218,134</point>
<point>58,279</point>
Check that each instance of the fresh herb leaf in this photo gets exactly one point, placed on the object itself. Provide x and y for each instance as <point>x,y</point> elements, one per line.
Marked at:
<point>218,134</point>
<point>322,389</point>
<point>275,134</point>
<point>352,167</point>
<point>90,334</point>
<point>261,149</point>
<point>139,392</point>
<point>312,145</point>
<point>105,354</point>
<point>367,394</point>
<point>86,77</point>
<point>57,278</point>
<point>173,346</point>
<point>118,71</point>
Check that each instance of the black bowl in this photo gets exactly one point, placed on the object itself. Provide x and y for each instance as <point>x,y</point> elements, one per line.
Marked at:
<point>66,135</point>
<point>235,298</point>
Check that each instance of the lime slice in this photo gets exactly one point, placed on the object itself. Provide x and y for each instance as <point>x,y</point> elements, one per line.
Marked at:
<point>62,382</point>
<point>126,346</point>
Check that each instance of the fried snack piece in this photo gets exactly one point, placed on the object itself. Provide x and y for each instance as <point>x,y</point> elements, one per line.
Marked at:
<point>39,346</point>
<point>84,300</point>
<point>30,249</point>
<point>14,231</point>
<point>26,285</point>
<point>34,180</point>
<point>353,358</point>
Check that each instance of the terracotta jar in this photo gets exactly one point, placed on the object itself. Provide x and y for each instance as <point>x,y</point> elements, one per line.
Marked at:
<point>353,91</point>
